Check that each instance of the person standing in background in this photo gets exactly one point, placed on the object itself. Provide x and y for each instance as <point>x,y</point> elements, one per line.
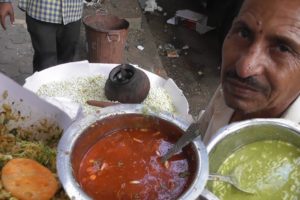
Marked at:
<point>54,28</point>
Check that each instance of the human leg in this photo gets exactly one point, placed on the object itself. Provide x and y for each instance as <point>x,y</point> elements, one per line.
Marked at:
<point>43,38</point>
<point>67,41</point>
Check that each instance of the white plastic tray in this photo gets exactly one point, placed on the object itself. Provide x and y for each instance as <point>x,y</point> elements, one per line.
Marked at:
<point>84,69</point>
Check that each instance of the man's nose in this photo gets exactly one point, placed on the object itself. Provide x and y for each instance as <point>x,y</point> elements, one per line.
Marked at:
<point>251,62</point>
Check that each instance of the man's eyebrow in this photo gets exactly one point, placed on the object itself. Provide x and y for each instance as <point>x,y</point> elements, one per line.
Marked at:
<point>240,23</point>
<point>286,40</point>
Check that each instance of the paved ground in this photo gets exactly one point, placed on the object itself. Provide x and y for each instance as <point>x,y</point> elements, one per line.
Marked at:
<point>195,71</point>
<point>16,50</point>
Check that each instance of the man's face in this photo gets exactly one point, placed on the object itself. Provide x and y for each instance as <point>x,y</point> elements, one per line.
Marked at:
<point>261,57</point>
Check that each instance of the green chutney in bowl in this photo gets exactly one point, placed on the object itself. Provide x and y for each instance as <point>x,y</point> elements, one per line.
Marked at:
<point>264,157</point>
<point>269,168</point>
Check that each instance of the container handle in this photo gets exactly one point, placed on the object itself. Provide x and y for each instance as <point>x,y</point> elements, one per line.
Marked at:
<point>208,195</point>
<point>101,11</point>
<point>113,37</point>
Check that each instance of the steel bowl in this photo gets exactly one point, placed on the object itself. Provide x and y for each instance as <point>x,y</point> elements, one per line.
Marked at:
<point>75,143</point>
<point>234,136</point>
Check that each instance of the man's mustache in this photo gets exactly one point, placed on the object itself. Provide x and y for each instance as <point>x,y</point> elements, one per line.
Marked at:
<point>251,81</point>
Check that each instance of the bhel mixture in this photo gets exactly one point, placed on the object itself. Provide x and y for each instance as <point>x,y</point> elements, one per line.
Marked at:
<point>82,89</point>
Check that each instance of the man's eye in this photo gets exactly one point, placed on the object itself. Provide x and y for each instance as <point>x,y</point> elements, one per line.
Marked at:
<point>283,48</point>
<point>244,33</point>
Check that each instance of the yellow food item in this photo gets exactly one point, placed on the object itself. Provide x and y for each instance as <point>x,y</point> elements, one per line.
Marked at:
<point>26,179</point>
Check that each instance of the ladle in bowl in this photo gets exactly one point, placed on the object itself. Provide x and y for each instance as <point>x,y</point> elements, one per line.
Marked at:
<point>231,179</point>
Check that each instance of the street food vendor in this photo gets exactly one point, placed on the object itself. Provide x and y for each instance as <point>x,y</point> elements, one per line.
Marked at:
<point>260,66</point>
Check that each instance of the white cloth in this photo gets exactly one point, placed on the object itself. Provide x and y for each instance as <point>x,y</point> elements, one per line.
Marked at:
<point>72,109</point>
<point>218,114</point>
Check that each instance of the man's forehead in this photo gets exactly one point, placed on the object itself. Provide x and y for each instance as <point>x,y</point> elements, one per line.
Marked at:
<point>292,6</point>
<point>274,13</point>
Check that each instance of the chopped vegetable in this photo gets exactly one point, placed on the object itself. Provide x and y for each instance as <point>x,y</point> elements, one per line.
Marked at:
<point>184,174</point>
<point>135,182</point>
<point>37,141</point>
<point>167,164</point>
<point>5,94</point>
<point>120,164</point>
<point>93,177</point>
<point>138,140</point>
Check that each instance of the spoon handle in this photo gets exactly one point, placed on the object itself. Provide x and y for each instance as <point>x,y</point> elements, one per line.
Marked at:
<point>191,133</point>
<point>231,180</point>
<point>216,177</point>
<point>101,103</point>
<point>208,195</point>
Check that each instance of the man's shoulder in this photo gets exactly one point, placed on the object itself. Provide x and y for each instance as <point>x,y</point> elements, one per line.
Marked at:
<point>217,97</point>
<point>292,113</point>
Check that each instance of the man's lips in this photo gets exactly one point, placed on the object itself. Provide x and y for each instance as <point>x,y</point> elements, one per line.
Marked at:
<point>239,86</point>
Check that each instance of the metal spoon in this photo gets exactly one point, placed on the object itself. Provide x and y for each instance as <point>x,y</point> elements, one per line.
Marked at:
<point>191,133</point>
<point>230,179</point>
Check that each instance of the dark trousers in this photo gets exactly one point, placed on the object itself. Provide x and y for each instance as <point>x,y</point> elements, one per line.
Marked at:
<point>52,43</point>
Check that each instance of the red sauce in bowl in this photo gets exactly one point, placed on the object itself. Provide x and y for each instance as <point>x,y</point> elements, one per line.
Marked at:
<point>126,165</point>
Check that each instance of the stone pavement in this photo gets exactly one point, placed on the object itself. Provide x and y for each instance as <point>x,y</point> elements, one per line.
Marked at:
<point>16,49</point>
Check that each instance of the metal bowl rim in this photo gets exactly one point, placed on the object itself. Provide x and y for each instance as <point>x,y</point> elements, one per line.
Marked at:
<point>234,127</point>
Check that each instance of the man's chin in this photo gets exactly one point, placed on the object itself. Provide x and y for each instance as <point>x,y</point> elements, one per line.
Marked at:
<point>245,106</point>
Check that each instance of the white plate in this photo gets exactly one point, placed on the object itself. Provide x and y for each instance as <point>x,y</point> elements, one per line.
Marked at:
<point>84,69</point>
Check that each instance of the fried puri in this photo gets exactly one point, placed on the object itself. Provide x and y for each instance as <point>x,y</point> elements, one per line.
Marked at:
<point>26,179</point>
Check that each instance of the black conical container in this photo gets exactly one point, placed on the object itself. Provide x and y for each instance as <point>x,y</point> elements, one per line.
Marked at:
<point>127,84</point>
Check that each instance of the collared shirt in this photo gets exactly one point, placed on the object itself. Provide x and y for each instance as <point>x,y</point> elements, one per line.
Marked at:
<point>52,11</point>
<point>218,114</point>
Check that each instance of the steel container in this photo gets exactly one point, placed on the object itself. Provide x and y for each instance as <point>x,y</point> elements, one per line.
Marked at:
<point>75,143</point>
<point>232,137</point>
